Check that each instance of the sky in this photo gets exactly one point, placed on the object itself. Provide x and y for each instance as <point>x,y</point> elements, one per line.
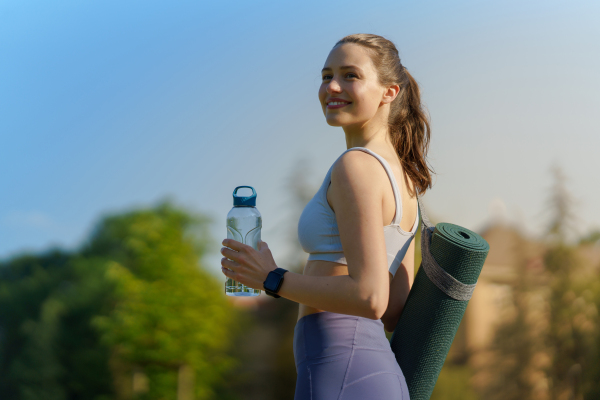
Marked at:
<point>107,106</point>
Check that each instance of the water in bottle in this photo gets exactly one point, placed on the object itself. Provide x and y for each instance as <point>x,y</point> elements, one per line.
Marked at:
<point>244,224</point>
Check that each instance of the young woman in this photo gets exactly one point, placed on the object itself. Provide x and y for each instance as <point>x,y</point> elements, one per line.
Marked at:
<point>357,229</point>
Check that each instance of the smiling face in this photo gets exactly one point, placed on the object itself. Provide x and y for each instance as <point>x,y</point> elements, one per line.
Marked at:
<point>349,75</point>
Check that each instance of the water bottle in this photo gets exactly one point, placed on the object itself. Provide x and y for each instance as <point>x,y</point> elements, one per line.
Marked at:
<point>243,224</point>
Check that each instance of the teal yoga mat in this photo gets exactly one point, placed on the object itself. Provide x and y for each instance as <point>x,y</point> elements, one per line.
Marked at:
<point>452,260</point>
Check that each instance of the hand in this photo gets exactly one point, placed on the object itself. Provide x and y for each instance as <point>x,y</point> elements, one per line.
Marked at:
<point>246,265</point>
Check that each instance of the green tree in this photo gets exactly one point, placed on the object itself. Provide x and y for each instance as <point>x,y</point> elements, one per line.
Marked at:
<point>132,314</point>
<point>572,317</point>
<point>169,313</point>
<point>511,368</point>
<point>48,350</point>
<point>550,352</point>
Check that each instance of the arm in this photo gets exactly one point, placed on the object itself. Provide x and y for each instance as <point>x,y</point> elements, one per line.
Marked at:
<point>340,294</point>
<point>399,287</point>
<point>356,194</point>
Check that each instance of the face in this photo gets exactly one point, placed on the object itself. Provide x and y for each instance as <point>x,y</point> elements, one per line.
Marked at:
<point>349,75</point>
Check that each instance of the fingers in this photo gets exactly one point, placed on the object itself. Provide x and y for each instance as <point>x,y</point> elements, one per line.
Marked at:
<point>228,265</point>
<point>226,271</point>
<point>235,245</point>
<point>231,254</point>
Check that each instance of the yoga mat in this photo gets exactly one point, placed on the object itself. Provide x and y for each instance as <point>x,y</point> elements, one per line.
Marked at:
<point>452,258</point>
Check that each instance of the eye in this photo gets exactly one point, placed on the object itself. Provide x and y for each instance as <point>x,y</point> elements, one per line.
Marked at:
<point>349,74</point>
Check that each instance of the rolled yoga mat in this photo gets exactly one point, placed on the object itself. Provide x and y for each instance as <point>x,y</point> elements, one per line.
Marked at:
<point>452,258</point>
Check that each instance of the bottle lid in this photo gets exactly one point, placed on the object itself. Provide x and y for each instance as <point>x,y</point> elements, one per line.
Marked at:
<point>244,201</point>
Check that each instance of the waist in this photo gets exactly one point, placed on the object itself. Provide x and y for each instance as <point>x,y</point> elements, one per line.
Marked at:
<point>327,335</point>
<point>320,268</point>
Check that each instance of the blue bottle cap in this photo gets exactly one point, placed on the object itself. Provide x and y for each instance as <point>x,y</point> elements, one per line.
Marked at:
<point>244,201</point>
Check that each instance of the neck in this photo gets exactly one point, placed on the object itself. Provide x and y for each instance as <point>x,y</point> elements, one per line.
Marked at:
<point>376,139</point>
<point>372,134</point>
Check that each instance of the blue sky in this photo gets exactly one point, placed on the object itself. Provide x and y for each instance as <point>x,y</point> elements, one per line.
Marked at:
<point>106,106</point>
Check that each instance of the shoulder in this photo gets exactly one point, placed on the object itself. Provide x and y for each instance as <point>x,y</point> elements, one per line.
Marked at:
<point>359,170</point>
<point>357,179</point>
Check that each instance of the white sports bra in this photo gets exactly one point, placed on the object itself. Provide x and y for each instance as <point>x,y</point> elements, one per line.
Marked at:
<point>318,230</point>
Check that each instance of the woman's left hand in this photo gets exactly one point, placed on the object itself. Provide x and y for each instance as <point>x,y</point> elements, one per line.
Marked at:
<point>244,264</point>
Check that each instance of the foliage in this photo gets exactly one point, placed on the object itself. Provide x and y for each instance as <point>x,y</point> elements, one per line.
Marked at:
<point>453,384</point>
<point>120,318</point>
<point>514,364</point>
<point>48,348</point>
<point>573,324</point>
<point>592,237</point>
<point>168,313</point>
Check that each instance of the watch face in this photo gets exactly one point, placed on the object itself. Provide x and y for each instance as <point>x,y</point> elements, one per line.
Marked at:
<point>272,281</point>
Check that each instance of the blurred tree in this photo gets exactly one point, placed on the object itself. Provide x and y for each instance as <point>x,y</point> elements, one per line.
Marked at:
<point>572,317</point>
<point>591,374</point>
<point>453,383</point>
<point>592,237</point>
<point>48,350</point>
<point>512,370</point>
<point>170,316</point>
<point>549,352</point>
<point>131,315</point>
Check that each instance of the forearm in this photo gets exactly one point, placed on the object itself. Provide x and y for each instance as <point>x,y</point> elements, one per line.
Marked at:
<point>340,294</point>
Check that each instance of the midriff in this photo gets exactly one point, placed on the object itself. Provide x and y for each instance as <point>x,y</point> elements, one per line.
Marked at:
<point>321,268</point>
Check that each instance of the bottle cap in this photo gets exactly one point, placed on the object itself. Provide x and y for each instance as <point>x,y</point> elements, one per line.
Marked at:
<point>244,201</point>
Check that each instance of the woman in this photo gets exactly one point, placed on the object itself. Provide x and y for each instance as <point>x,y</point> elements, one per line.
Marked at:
<point>358,275</point>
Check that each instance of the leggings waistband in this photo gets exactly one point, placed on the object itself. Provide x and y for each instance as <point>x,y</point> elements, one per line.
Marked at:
<point>327,334</point>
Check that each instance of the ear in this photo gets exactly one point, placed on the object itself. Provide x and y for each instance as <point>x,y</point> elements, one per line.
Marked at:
<point>390,94</point>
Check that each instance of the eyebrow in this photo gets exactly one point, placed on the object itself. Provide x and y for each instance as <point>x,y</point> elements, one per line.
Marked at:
<point>343,67</point>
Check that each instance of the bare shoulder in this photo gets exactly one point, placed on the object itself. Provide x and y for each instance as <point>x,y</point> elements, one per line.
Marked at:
<point>358,170</point>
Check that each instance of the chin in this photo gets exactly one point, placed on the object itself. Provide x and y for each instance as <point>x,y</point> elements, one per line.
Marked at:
<point>334,121</point>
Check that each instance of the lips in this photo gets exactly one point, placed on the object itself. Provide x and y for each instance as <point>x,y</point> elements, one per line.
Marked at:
<point>339,103</point>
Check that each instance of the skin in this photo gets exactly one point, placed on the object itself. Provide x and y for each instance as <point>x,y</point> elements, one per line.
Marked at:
<point>362,198</point>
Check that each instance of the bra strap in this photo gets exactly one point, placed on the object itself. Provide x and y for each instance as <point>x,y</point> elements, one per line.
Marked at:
<point>392,178</point>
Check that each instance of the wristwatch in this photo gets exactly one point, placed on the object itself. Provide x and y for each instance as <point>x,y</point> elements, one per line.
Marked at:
<point>274,281</point>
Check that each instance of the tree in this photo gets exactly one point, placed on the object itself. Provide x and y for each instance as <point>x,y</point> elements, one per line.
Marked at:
<point>132,314</point>
<point>513,366</point>
<point>572,321</point>
<point>549,352</point>
<point>168,312</point>
<point>48,350</point>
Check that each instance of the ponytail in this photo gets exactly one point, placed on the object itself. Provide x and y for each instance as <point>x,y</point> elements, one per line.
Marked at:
<point>410,133</point>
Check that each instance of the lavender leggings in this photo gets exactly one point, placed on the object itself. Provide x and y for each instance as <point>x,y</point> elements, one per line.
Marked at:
<point>345,357</point>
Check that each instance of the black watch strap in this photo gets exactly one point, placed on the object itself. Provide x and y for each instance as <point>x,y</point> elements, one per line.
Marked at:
<point>274,288</point>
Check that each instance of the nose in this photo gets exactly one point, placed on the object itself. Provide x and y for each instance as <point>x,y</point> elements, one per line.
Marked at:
<point>333,87</point>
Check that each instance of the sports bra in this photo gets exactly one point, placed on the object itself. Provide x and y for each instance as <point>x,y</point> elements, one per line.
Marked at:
<point>318,230</point>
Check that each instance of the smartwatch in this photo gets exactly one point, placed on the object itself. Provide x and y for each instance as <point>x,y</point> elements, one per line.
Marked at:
<point>274,281</point>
